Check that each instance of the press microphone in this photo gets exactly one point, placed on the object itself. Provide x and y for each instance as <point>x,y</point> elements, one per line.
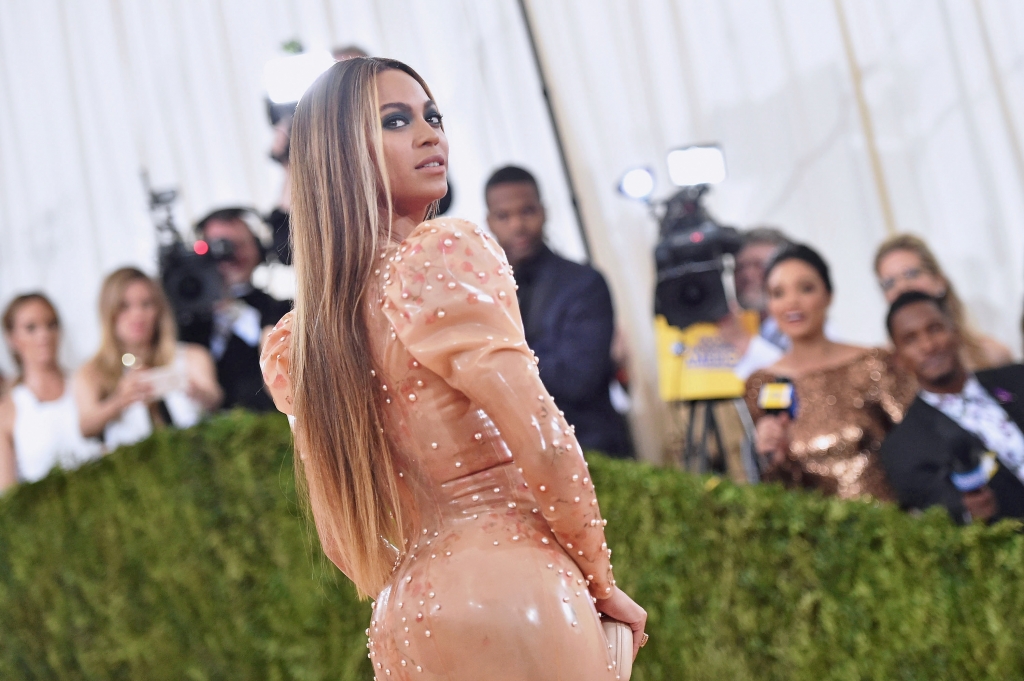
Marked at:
<point>778,397</point>
<point>973,467</point>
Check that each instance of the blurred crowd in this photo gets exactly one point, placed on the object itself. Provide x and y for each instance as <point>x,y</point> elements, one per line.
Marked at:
<point>143,376</point>
<point>932,418</point>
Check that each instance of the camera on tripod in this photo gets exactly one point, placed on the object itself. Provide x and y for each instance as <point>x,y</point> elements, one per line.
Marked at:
<point>695,283</point>
<point>189,276</point>
<point>694,292</point>
<point>692,256</point>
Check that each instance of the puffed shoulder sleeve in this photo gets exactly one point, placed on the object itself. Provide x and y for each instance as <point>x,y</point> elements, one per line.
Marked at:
<point>451,299</point>
<point>275,361</point>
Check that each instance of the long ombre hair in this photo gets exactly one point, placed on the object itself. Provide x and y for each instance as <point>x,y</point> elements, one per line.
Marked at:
<point>107,360</point>
<point>341,221</point>
<point>954,306</point>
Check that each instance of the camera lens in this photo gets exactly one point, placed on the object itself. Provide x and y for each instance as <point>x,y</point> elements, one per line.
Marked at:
<point>692,293</point>
<point>190,287</point>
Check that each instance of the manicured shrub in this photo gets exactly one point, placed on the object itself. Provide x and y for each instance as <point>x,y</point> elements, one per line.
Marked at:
<point>186,557</point>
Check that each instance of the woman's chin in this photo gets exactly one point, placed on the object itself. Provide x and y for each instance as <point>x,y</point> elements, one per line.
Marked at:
<point>801,331</point>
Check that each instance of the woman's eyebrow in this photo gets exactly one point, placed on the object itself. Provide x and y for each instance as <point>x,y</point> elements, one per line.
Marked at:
<point>402,106</point>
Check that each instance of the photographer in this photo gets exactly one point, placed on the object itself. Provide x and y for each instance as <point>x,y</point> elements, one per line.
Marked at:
<point>234,330</point>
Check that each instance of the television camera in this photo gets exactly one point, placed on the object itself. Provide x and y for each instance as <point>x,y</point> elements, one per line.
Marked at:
<point>189,276</point>
<point>694,256</point>
<point>694,290</point>
<point>694,260</point>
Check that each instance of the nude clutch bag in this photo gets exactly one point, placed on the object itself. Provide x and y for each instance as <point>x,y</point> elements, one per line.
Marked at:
<point>620,645</point>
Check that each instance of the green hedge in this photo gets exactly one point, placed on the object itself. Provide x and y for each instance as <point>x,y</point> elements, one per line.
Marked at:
<point>185,557</point>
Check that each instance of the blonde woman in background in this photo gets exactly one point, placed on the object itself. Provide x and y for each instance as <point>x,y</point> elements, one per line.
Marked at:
<point>38,418</point>
<point>142,378</point>
<point>441,476</point>
<point>905,263</point>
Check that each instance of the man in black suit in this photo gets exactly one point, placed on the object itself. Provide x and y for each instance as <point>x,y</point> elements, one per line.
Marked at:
<point>234,332</point>
<point>567,313</point>
<point>957,419</point>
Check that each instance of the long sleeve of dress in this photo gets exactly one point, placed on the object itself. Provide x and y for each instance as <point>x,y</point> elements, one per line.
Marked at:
<point>450,297</point>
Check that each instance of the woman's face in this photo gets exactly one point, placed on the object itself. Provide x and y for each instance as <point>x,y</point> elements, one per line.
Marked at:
<point>902,271</point>
<point>797,299</point>
<point>35,337</point>
<point>415,146</point>
<point>135,323</point>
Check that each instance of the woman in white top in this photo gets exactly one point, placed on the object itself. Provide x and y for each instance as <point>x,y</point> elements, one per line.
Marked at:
<point>38,418</point>
<point>141,378</point>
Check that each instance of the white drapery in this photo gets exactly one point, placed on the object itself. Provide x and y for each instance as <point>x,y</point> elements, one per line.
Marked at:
<point>840,120</point>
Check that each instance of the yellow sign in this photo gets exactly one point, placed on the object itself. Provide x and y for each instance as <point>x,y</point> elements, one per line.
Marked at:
<point>695,363</point>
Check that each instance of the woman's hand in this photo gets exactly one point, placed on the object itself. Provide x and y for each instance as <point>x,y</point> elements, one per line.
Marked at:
<point>773,438</point>
<point>275,361</point>
<point>621,607</point>
<point>134,386</point>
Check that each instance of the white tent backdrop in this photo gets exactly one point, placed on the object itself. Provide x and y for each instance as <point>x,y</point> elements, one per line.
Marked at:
<point>841,121</point>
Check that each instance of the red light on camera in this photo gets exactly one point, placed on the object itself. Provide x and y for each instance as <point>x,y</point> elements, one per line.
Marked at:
<point>696,237</point>
<point>201,247</point>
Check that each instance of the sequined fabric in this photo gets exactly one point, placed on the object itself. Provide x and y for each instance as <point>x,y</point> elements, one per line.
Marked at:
<point>843,415</point>
<point>507,546</point>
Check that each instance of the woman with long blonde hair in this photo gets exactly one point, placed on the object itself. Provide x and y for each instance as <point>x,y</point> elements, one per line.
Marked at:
<point>905,263</point>
<point>141,378</point>
<point>440,475</point>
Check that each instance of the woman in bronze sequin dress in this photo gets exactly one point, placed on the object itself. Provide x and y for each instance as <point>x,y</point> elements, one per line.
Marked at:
<point>848,397</point>
<point>442,478</point>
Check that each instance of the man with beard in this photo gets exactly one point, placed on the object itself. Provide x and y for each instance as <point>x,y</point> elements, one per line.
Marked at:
<point>958,423</point>
<point>566,309</point>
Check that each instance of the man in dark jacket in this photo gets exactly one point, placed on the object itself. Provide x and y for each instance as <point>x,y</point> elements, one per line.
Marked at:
<point>567,313</point>
<point>937,455</point>
<point>234,332</point>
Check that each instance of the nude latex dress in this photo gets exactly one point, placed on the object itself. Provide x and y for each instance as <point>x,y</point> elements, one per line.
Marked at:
<point>506,542</point>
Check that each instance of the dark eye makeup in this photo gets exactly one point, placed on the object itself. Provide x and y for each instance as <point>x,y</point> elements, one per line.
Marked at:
<point>396,121</point>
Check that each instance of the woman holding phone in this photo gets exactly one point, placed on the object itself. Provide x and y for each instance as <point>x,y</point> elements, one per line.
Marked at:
<point>142,378</point>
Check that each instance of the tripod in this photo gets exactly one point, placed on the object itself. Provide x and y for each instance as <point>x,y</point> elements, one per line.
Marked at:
<point>696,454</point>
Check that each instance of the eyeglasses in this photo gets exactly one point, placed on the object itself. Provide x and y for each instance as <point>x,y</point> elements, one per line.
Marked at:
<point>907,275</point>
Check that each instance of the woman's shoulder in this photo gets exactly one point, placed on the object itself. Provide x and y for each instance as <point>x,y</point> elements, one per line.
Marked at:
<point>844,358</point>
<point>445,273</point>
<point>445,259</point>
<point>88,374</point>
<point>7,412</point>
<point>443,226</point>
<point>446,237</point>
<point>762,376</point>
<point>193,352</point>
